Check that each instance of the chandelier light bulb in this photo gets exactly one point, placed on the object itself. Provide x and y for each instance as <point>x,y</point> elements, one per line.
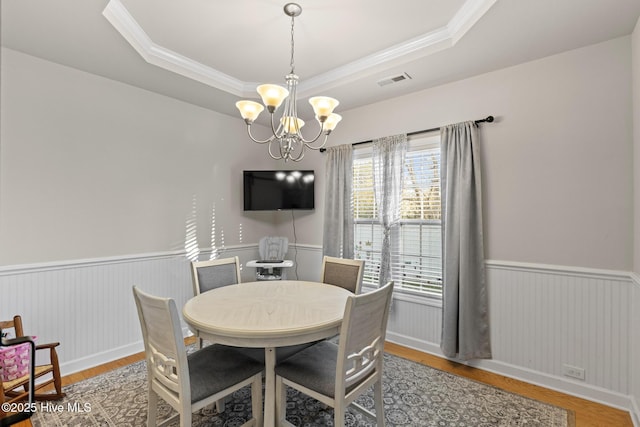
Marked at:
<point>292,124</point>
<point>323,106</point>
<point>249,110</point>
<point>272,95</point>
<point>331,122</point>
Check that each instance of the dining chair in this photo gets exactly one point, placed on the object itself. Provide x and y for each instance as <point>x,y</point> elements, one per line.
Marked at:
<point>14,389</point>
<point>215,273</point>
<point>212,274</point>
<point>336,374</point>
<point>346,273</point>
<point>190,382</point>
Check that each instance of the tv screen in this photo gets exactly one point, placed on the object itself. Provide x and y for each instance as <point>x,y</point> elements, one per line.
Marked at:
<point>278,190</point>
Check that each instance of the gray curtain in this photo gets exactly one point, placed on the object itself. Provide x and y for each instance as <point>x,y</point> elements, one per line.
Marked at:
<point>337,238</point>
<point>388,163</point>
<point>465,311</point>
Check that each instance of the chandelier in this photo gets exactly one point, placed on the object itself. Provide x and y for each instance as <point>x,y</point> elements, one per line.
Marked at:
<point>286,141</point>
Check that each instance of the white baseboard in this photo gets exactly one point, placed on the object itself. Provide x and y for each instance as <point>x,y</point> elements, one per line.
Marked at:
<point>635,412</point>
<point>98,359</point>
<point>594,394</point>
<point>567,386</point>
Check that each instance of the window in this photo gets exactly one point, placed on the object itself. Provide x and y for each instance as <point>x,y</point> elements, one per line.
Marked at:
<point>416,253</point>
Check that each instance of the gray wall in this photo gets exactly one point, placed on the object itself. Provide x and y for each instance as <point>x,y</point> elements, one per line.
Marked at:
<point>91,167</point>
<point>635,338</point>
<point>557,175</point>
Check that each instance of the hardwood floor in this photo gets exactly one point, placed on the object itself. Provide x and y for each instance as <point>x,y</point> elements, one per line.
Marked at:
<point>587,413</point>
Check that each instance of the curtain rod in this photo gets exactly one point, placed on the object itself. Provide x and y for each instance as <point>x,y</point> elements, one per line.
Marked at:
<point>488,119</point>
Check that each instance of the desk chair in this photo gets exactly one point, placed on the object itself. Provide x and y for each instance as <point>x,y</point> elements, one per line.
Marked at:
<point>337,374</point>
<point>190,382</point>
<point>17,389</point>
<point>346,273</point>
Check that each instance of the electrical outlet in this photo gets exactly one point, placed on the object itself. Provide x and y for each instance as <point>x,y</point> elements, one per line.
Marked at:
<point>573,372</point>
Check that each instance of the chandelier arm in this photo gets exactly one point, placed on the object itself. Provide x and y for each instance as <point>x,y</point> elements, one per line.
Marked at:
<point>271,138</point>
<point>308,144</point>
<point>311,141</point>
<point>300,156</point>
<point>277,132</point>
<point>271,154</point>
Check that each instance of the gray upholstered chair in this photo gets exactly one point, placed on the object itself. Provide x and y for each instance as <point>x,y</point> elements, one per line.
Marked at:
<point>215,273</point>
<point>190,382</point>
<point>346,273</point>
<point>337,374</point>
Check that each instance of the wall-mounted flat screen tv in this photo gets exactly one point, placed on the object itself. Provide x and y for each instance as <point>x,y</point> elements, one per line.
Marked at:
<point>272,190</point>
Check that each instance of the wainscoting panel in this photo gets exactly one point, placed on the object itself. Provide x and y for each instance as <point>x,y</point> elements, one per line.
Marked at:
<point>88,306</point>
<point>635,348</point>
<point>543,317</point>
<point>414,322</point>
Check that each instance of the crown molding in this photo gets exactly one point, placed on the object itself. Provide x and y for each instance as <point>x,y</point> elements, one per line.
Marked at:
<point>442,38</point>
<point>134,34</point>
<point>466,17</point>
<point>419,47</point>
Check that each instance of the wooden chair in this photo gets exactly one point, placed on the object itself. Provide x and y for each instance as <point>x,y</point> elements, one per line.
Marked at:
<point>190,382</point>
<point>215,273</point>
<point>8,418</point>
<point>208,275</point>
<point>346,273</point>
<point>337,374</point>
<point>18,389</point>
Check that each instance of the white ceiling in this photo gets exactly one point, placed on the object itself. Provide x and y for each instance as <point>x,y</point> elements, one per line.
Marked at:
<point>212,53</point>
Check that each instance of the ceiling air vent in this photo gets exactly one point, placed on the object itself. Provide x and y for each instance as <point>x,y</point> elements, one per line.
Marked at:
<point>393,79</point>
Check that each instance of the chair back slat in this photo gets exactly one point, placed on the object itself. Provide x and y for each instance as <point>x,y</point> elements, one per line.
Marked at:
<point>165,370</point>
<point>362,336</point>
<point>360,365</point>
<point>164,345</point>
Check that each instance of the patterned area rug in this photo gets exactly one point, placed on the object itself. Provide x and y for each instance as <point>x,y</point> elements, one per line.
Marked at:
<point>414,395</point>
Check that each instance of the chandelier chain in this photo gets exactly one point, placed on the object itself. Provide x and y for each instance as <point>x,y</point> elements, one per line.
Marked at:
<point>292,46</point>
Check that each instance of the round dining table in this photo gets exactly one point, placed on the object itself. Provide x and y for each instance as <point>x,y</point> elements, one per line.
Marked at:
<point>267,314</point>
